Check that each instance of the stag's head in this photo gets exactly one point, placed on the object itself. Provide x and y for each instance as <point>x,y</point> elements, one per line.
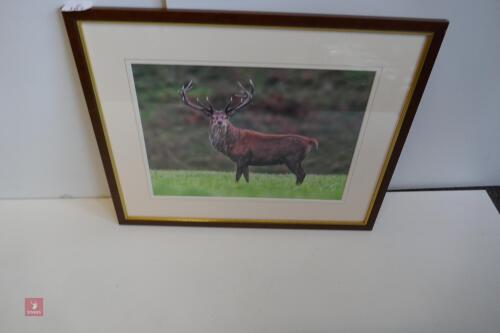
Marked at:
<point>219,118</point>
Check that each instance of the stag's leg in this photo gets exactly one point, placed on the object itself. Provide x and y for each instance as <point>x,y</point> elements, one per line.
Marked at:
<point>246,173</point>
<point>239,171</point>
<point>301,174</point>
<point>296,168</point>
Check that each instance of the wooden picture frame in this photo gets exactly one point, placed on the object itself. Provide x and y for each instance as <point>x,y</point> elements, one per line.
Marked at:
<point>110,44</point>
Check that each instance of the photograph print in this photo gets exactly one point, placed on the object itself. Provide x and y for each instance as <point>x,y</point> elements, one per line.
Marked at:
<point>198,127</point>
<point>220,131</point>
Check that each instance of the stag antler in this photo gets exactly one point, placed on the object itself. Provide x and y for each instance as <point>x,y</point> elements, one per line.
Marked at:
<point>207,108</point>
<point>245,97</point>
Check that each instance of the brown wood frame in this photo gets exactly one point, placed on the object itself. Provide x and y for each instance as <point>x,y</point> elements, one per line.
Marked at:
<point>435,27</point>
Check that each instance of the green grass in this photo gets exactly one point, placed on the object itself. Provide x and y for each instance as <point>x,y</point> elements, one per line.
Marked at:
<point>223,184</point>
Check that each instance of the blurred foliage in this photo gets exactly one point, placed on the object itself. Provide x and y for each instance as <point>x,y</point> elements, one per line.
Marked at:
<point>325,104</point>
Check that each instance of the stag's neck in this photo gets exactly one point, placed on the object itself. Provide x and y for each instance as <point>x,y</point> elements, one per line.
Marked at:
<point>223,138</point>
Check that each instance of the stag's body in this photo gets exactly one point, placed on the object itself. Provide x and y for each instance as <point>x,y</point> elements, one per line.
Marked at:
<point>251,148</point>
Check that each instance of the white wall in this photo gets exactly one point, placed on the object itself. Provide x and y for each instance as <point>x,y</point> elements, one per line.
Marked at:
<point>425,268</point>
<point>47,144</point>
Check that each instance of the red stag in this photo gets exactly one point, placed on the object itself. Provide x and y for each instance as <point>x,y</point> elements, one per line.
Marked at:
<point>246,147</point>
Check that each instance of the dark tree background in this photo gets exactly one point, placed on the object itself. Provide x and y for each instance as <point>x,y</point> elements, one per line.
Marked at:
<point>325,104</point>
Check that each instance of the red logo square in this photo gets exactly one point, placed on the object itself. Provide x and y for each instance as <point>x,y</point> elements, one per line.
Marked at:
<point>33,307</point>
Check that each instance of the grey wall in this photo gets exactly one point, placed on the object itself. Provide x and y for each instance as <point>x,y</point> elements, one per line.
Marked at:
<point>47,145</point>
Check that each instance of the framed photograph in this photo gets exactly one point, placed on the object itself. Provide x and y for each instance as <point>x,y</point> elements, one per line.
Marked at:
<point>250,119</point>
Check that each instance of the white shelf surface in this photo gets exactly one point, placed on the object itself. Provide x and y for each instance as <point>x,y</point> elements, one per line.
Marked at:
<point>431,264</point>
